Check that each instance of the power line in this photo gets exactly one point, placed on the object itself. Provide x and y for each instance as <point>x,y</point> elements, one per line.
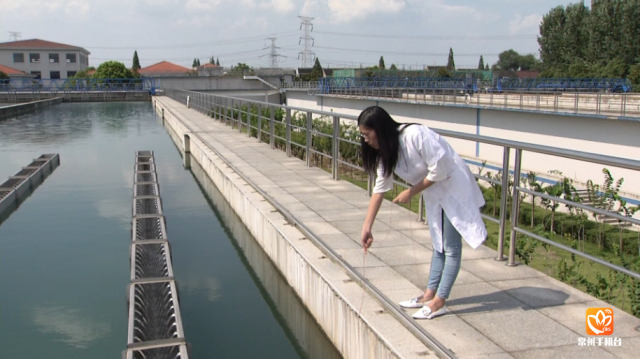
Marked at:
<point>306,56</point>
<point>198,44</point>
<point>422,37</point>
<point>398,52</point>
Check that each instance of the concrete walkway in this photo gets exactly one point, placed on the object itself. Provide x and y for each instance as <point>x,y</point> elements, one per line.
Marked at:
<point>495,311</point>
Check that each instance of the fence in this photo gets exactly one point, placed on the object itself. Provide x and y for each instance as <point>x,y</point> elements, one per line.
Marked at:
<point>75,85</point>
<point>625,105</point>
<point>231,111</point>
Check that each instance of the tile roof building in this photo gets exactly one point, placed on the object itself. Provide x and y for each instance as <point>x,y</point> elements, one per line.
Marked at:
<point>163,69</point>
<point>44,59</point>
<point>13,73</point>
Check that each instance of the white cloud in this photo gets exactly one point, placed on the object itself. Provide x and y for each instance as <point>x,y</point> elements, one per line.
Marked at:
<point>75,328</point>
<point>521,24</point>
<point>201,5</point>
<point>349,10</point>
<point>282,6</point>
<point>309,7</point>
<point>77,7</point>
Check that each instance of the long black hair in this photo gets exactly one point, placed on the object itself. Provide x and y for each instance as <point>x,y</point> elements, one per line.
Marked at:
<point>388,135</point>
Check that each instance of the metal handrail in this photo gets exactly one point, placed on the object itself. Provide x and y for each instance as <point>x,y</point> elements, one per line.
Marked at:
<point>221,105</point>
<point>600,104</point>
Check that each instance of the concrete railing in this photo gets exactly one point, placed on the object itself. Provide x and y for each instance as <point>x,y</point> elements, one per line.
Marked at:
<point>21,109</point>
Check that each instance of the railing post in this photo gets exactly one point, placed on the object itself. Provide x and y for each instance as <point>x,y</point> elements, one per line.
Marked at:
<point>521,100</point>
<point>503,202</point>
<point>272,128</point>
<point>598,101</point>
<point>421,209</point>
<point>336,149</point>
<point>240,117</point>
<point>576,106</point>
<point>623,104</point>
<point>259,131</point>
<point>309,137</point>
<point>288,129</point>
<point>515,208</point>
<point>249,116</point>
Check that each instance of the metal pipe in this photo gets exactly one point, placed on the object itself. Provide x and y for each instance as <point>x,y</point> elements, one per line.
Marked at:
<point>515,208</point>
<point>335,149</point>
<point>259,134</point>
<point>503,203</point>
<point>272,139</point>
<point>288,131</point>
<point>309,137</point>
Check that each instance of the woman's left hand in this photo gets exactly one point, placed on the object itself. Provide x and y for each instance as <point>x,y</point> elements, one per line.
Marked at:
<point>403,197</point>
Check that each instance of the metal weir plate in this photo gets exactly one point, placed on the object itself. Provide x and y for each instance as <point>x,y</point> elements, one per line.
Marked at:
<point>155,324</point>
<point>16,187</point>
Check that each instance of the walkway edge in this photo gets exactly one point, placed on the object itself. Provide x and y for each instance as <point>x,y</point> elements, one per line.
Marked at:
<point>303,265</point>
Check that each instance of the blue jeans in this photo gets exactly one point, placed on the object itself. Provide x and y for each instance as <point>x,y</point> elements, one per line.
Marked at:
<point>446,266</point>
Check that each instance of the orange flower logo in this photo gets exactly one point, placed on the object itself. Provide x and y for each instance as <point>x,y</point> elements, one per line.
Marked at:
<point>599,321</point>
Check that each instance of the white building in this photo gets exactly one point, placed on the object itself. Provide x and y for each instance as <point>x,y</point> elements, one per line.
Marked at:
<point>44,59</point>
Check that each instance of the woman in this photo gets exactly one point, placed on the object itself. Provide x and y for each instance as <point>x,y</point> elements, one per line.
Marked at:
<point>452,197</point>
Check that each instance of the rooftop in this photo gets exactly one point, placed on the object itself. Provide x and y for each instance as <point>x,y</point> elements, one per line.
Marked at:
<point>11,71</point>
<point>37,44</point>
<point>164,67</point>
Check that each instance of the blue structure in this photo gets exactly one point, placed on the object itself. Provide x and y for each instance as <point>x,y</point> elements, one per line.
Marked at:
<point>79,85</point>
<point>326,85</point>
<point>563,84</point>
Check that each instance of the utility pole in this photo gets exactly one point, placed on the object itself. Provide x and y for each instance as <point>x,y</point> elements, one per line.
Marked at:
<point>15,35</point>
<point>273,54</point>
<point>306,56</point>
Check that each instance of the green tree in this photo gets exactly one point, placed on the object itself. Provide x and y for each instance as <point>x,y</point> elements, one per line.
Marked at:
<point>634,76</point>
<point>198,61</point>
<point>218,61</point>
<point>486,67</point>
<point>195,63</point>
<point>551,39</point>
<point>241,67</point>
<point>3,76</point>
<point>451,64</point>
<point>316,71</point>
<point>113,70</point>
<point>481,63</point>
<point>212,61</point>
<point>393,67</point>
<point>136,61</point>
<point>442,72</point>
<point>381,63</point>
<point>529,62</point>
<point>508,60</point>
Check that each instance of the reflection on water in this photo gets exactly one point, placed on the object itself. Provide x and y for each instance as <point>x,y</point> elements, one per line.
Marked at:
<point>64,252</point>
<point>72,326</point>
<point>281,297</point>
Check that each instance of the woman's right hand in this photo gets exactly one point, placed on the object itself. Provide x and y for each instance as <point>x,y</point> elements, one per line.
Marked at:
<point>366,239</point>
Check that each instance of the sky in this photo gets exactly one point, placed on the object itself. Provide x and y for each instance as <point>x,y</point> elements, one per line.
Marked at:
<point>346,33</point>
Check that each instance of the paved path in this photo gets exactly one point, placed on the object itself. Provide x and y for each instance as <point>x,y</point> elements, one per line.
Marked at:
<point>495,311</point>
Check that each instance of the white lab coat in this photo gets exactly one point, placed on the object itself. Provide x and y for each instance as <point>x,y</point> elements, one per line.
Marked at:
<point>424,153</point>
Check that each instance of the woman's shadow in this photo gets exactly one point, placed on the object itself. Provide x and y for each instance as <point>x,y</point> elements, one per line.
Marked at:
<point>525,298</point>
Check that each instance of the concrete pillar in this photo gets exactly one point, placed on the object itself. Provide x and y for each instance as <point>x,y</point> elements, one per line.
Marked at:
<point>187,144</point>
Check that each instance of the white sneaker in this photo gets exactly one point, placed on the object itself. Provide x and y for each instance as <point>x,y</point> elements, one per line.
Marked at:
<point>413,303</point>
<point>425,313</point>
